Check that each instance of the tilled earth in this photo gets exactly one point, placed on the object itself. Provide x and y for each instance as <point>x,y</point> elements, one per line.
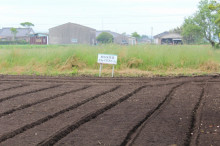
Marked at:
<point>90,111</point>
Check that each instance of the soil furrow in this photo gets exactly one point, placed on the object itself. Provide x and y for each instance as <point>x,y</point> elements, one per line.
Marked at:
<point>40,101</point>
<point>100,80</point>
<point>28,92</point>
<point>193,121</point>
<point>4,86</point>
<point>49,117</point>
<point>78,81</point>
<point>207,130</point>
<point>169,125</point>
<point>134,131</point>
<point>41,110</point>
<point>65,131</point>
<point>15,103</point>
<point>14,87</point>
<point>196,132</point>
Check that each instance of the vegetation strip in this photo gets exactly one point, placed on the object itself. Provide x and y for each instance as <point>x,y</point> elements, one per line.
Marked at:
<point>49,117</point>
<point>194,119</point>
<point>19,86</point>
<point>28,92</point>
<point>65,131</point>
<point>129,139</point>
<point>40,101</point>
<point>74,60</point>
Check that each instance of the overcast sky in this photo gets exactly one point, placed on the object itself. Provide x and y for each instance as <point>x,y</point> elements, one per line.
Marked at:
<point>120,16</point>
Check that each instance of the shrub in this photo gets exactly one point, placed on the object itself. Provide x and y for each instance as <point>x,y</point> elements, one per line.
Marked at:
<point>105,38</point>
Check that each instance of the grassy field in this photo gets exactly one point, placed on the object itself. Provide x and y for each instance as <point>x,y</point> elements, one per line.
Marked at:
<point>139,60</point>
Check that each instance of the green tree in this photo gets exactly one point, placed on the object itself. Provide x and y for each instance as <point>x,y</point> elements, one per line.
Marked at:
<point>205,19</point>
<point>105,38</point>
<point>136,35</point>
<point>191,32</point>
<point>215,6</point>
<point>177,30</point>
<point>14,32</point>
<point>27,24</point>
<point>202,24</point>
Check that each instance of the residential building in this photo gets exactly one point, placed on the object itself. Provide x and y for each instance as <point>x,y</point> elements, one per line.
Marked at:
<point>22,34</point>
<point>132,40</point>
<point>168,38</point>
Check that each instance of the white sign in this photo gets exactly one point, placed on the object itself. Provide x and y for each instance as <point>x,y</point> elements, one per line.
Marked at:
<point>73,40</point>
<point>107,59</point>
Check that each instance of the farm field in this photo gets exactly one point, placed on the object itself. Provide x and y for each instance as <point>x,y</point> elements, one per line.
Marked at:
<point>38,110</point>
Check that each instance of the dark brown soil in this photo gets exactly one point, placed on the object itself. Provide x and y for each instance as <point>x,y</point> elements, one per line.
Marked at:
<point>85,111</point>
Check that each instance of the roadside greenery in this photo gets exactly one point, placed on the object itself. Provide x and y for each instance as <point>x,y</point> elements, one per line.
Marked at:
<point>105,38</point>
<point>14,32</point>
<point>132,60</point>
<point>216,8</point>
<point>203,26</point>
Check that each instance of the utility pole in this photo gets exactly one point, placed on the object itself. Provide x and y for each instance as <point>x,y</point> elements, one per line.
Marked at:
<point>152,35</point>
<point>102,23</point>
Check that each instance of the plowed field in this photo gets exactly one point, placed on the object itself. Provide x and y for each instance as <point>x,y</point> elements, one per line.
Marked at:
<point>89,111</point>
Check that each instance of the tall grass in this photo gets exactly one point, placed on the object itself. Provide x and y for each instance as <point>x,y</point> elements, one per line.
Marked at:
<point>73,59</point>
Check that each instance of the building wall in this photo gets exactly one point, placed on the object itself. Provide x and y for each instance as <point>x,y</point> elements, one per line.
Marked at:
<point>132,41</point>
<point>157,41</point>
<point>71,33</point>
<point>172,36</point>
<point>38,40</point>
<point>120,38</point>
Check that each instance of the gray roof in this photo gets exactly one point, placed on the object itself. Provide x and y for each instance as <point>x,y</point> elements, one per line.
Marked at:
<point>22,32</point>
<point>161,34</point>
<point>73,24</point>
<point>167,34</point>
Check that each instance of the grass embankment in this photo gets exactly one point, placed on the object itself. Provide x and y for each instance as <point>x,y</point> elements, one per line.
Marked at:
<point>140,60</point>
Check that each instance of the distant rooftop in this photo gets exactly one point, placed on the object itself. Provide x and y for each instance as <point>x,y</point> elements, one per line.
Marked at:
<point>21,32</point>
<point>167,34</point>
<point>70,23</point>
<point>161,34</point>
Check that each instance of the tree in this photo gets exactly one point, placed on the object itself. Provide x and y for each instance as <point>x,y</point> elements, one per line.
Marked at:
<point>105,38</point>
<point>191,32</point>
<point>216,8</point>
<point>124,33</point>
<point>202,24</point>
<point>136,35</point>
<point>14,31</point>
<point>27,24</point>
<point>205,19</point>
<point>177,30</point>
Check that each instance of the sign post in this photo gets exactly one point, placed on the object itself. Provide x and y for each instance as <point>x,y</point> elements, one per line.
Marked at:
<point>107,59</point>
<point>100,70</point>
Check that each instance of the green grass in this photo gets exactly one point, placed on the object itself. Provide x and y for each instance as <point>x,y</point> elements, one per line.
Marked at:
<point>132,60</point>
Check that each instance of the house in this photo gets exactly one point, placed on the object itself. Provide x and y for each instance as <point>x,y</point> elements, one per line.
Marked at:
<point>0,32</point>
<point>132,40</point>
<point>39,39</point>
<point>71,33</point>
<point>168,38</point>
<point>22,34</point>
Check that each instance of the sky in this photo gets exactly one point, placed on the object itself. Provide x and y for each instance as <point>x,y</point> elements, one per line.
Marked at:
<point>146,17</point>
